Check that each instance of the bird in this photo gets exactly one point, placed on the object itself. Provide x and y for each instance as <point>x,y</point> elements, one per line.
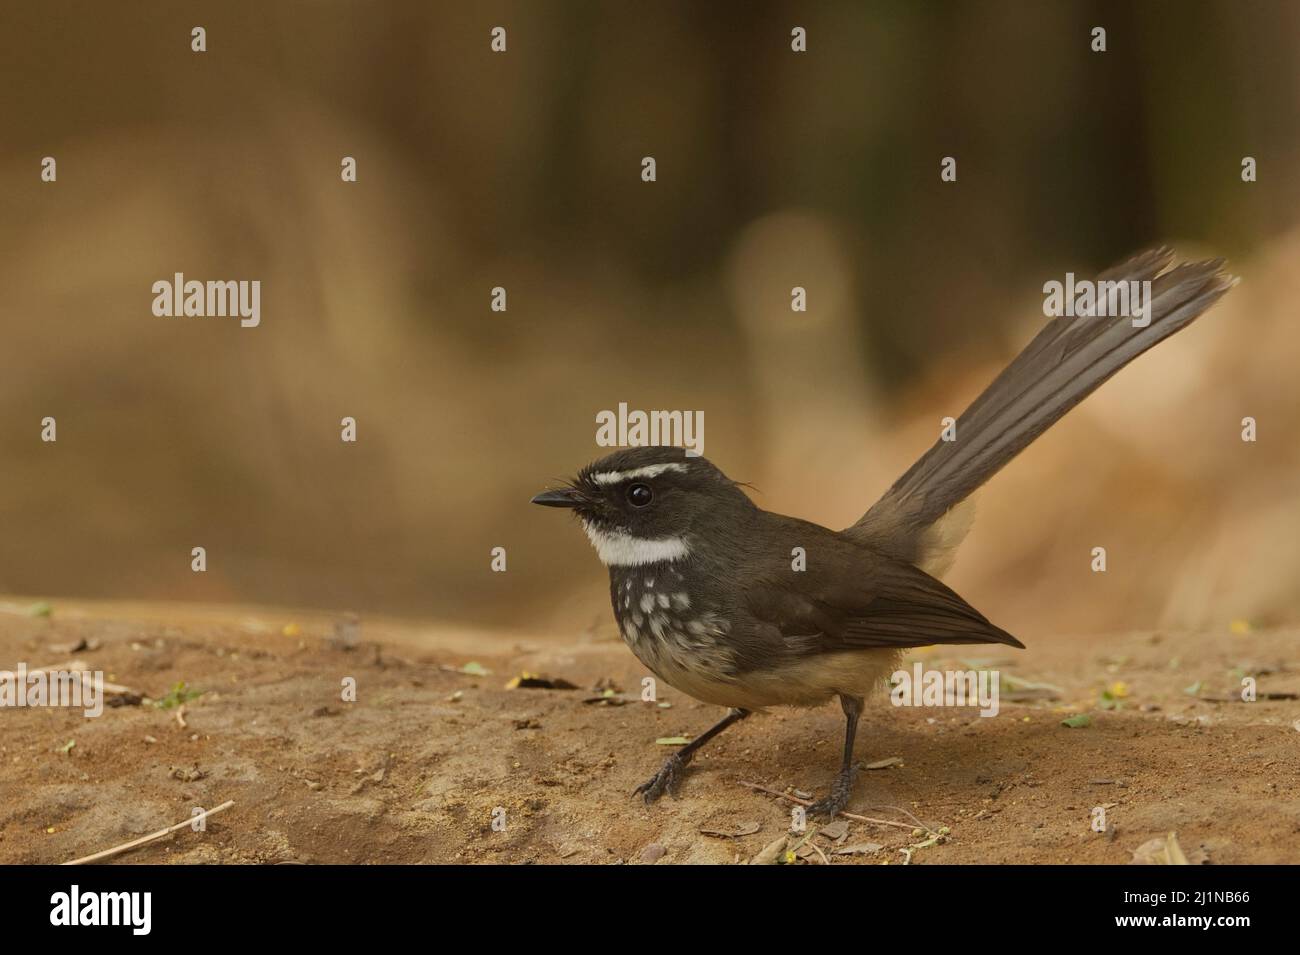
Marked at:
<point>707,595</point>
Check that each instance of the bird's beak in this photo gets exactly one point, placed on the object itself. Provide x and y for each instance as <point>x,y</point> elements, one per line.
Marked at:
<point>565,497</point>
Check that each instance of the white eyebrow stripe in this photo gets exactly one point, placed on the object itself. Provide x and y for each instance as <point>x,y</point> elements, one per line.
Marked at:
<point>618,549</point>
<point>649,471</point>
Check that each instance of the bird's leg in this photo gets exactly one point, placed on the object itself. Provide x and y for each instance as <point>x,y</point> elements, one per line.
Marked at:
<point>670,776</point>
<point>842,788</point>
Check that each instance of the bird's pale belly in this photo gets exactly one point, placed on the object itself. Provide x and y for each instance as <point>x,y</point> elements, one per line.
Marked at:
<point>688,648</point>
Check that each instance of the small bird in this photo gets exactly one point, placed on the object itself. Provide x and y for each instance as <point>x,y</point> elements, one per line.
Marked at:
<point>702,580</point>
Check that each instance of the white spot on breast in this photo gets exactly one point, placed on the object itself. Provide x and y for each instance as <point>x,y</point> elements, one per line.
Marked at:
<point>702,665</point>
<point>663,600</point>
<point>681,601</point>
<point>647,602</point>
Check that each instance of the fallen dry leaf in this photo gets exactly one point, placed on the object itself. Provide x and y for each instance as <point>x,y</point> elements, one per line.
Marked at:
<point>743,829</point>
<point>771,853</point>
<point>857,849</point>
<point>835,831</point>
<point>1163,850</point>
<point>885,763</point>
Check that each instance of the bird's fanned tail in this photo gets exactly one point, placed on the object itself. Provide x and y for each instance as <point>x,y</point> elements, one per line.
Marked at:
<point>1062,365</point>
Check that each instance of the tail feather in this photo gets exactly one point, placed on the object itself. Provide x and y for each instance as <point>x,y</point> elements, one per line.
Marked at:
<point>1062,365</point>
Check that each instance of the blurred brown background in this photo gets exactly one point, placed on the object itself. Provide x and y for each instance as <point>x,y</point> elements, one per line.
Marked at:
<point>523,170</point>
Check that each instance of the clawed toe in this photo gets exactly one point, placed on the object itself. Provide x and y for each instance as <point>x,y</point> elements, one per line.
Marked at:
<point>666,780</point>
<point>829,807</point>
<point>836,801</point>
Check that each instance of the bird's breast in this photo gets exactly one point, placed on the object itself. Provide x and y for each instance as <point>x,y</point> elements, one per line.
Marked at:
<point>679,638</point>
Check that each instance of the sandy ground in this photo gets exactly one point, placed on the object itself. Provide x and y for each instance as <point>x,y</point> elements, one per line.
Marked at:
<point>415,768</point>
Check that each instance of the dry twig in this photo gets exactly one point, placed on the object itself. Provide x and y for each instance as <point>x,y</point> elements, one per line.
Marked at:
<point>847,815</point>
<point>118,850</point>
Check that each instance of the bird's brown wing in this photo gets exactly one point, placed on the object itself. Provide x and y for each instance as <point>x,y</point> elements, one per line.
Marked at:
<point>852,598</point>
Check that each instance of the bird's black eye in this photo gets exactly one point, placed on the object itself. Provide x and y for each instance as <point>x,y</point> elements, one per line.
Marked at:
<point>639,495</point>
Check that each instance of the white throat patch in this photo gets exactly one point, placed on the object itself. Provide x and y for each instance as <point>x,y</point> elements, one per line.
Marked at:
<point>617,549</point>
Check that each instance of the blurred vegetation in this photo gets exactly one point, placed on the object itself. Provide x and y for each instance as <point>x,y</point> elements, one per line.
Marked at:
<point>522,170</point>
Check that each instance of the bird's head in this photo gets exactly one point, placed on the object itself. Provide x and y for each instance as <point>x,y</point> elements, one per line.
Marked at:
<point>647,505</point>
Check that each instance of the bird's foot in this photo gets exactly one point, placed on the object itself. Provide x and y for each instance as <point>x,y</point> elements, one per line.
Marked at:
<point>666,780</point>
<point>837,799</point>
